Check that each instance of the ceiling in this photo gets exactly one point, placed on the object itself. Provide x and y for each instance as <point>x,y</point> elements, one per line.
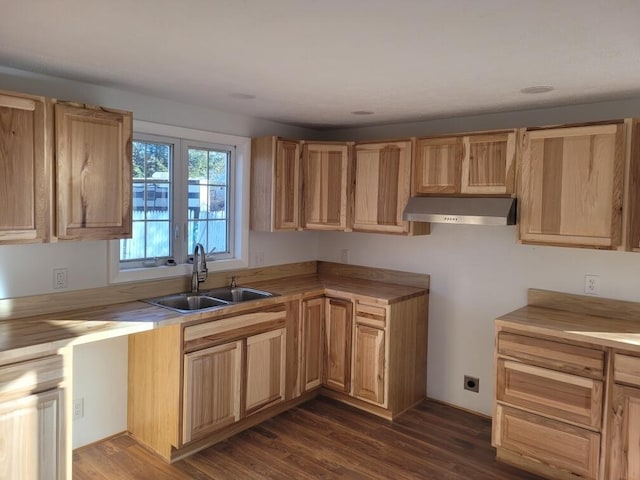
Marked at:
<point>312,63</point>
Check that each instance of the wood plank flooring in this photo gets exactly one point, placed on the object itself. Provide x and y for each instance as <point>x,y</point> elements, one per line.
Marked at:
<point>321,439</point>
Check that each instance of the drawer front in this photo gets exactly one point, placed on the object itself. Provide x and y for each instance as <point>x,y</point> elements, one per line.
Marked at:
<point>371,315</point>
<point>554,443</point>
<point>626,369</point>
<point>561,395</point>
<point>32,376</point>
<point>555,355</point>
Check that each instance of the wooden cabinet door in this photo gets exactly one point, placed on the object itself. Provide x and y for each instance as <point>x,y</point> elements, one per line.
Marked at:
<point>265,370</point>
<point>31,437</point>
<point>559,445</point>
<point>337,362</point>
<point>571,185</point>
<point>382,186</point>
<point>287,186</point>
<point>212,382</point>
<point>488,165</point>
<point>624,432</point>
<point>325,172</point>
<point>94,162</point>
<point>437,166</point>
<point>312,342</point>
<point>24,169</point>
<point>369,364</point>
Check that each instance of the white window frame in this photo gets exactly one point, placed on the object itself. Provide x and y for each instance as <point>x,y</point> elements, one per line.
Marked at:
<point>239,208</point>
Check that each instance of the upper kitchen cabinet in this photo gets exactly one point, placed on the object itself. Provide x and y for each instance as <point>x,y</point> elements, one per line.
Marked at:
<point>382,188</point>
<point>93,162</point>
<point>571,186</point>
<point>275,184</point>
<point>480,164</point>
<point>25,168</point>
<point>325,186</point>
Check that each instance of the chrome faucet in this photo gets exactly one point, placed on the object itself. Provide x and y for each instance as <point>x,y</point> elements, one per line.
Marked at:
<point>234,283</point>
<point>199,268</point>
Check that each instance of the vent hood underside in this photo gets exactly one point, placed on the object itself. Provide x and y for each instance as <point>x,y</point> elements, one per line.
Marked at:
<point>462,210</point>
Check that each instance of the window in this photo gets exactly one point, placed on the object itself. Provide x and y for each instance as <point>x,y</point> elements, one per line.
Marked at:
<point>187,189</point>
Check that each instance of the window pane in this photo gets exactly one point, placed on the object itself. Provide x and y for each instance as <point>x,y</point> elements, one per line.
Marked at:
<point>208,207</point>
<point>151,202</point>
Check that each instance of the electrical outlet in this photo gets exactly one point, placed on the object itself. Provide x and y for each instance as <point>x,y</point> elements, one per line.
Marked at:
<point>344,255</point>
<point>78,408</point>
<point>258,259</point>
<point>592,284</point>
<point>60,278</point>
<point>471,383</point>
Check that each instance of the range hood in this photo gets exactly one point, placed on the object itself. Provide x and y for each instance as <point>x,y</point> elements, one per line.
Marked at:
<point>463,210</point>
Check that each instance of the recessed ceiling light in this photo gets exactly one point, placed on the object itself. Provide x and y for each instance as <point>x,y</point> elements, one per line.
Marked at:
<point>362,112</point>
<point>242,96</point>
<point>537,89</point>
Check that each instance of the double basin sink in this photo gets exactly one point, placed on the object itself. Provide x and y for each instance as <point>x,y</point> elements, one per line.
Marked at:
<point>209,299</point>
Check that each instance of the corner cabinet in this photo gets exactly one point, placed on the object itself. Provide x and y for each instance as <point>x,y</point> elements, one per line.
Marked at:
<point>93,164</point>
<point>325,186</point>
<point>25,169</point>
<point>571,186</point>
<point>382,188</point>
<point>275,184</point>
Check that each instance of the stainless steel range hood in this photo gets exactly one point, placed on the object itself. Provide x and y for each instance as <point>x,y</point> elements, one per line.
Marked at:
<point>463,210</point>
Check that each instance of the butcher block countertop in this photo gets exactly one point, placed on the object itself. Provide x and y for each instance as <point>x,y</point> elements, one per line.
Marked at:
<point>594,320</point>
<point>73,327</point>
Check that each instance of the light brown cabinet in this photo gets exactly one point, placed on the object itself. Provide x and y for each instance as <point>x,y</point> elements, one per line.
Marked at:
<point>338,334</point>
<point>25,168</point>
<point>93,165</point>
<point>325,186</point>
<point>275,184</point>
<point>369,363</point>
<point>571,186</point>
<point>32,421</point>
<point>312,343</point>
<point>624,453</point>
<point>382,188</point>
<point>482,164</point>
<point>211,395</point>
<point>265,370</point>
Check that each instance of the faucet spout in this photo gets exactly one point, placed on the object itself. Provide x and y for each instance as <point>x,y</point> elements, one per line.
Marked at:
<point>200,271</point>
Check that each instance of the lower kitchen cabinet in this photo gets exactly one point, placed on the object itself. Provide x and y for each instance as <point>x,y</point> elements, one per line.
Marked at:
<point>369,356</point>
<point>212,379</point>
<point>338,331</point>
<point>265,370</point>
<point>624,445</point>
<point>232,368</point>
<point>32,428</point>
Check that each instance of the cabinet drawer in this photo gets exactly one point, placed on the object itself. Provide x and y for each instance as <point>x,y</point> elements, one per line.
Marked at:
<point>32,376</point>
<point>554,443</point>
<point>547,353</point>
<point>561,395</point>
<point>626,369</point>
<point>371,315</point>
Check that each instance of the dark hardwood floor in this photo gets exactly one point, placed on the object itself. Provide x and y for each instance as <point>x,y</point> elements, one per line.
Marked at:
<point>322,439</point>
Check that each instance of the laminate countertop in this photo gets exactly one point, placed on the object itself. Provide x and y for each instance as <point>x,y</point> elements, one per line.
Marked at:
<point>622,333</point>
<point>56,330</point>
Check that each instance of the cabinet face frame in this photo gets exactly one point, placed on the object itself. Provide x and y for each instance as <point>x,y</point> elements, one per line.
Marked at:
<point>26,171</point>
<point>551,214</point>
<point>93,165</point>
<point>325,172</point>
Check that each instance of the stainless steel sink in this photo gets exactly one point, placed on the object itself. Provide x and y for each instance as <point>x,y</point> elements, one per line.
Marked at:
<point>209,299</point>
<point>186,302</point>
<point>238,294</point>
